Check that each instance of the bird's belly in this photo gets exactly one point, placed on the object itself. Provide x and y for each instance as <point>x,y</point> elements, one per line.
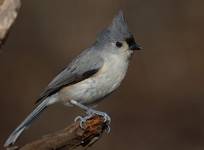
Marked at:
<point>96,87</point>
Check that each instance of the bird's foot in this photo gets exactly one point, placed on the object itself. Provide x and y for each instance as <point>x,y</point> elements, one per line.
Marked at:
<point>82,121</point>
<point>91,113</point>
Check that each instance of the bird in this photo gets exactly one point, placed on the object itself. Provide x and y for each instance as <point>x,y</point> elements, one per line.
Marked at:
<point>94,74</point>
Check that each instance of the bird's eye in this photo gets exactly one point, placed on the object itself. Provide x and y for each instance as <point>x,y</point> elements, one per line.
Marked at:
<point>119,44</point>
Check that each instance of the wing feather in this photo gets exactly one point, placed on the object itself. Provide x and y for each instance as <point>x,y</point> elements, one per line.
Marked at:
<point>81,68</point>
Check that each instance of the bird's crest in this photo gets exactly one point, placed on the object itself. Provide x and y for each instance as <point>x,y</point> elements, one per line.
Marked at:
<point>118,30</point>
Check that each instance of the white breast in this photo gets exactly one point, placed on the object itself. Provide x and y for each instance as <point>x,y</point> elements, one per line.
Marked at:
<point>101,84</point>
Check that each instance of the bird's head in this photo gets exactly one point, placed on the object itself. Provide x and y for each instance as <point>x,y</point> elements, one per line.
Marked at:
<point>117,38</point>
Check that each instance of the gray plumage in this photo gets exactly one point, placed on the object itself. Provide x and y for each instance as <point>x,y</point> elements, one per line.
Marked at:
<point>26,123</point>
<point>79,69</point>
<point>94,74</point>
<point>82,64</point>
<point>117,31</point>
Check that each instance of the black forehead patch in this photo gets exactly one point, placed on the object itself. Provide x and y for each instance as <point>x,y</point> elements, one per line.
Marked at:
<point>130,41</point>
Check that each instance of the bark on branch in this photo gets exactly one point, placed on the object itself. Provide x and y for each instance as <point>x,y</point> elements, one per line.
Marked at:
<point>71,137</point>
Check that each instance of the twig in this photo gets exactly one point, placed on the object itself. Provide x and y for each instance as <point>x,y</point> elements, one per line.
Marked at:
<point>71,137</point>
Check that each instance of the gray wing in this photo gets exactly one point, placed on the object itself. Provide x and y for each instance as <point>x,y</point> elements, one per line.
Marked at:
<point>85,65</point>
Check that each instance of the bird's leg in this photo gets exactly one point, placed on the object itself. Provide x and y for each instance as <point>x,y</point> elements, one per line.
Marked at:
<point>75,103</point>
<point>90,113</point>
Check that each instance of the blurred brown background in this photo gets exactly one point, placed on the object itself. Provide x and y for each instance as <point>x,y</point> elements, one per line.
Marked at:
<point>160,104</point>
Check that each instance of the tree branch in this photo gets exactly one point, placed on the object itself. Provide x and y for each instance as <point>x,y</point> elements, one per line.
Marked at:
<point>8,14</point>
<point>71,137</point>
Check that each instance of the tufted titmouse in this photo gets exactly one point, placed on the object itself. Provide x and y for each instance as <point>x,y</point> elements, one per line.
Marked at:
<point>91,76</point>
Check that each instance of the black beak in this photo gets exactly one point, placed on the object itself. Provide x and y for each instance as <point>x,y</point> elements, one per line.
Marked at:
<point>135,47</point>
<point>132,44</point>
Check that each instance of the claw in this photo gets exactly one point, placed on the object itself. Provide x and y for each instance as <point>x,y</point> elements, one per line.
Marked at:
<point>81,121</point>
<point>106,117</point>
<point>108,129</point>
<point>90,113</point>
<point>78,118</point>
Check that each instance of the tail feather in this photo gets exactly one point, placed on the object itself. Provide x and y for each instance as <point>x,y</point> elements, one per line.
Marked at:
<point>26,123</point>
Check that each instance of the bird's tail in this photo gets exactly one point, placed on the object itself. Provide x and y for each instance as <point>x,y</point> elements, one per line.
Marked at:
<point>26,123</point>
